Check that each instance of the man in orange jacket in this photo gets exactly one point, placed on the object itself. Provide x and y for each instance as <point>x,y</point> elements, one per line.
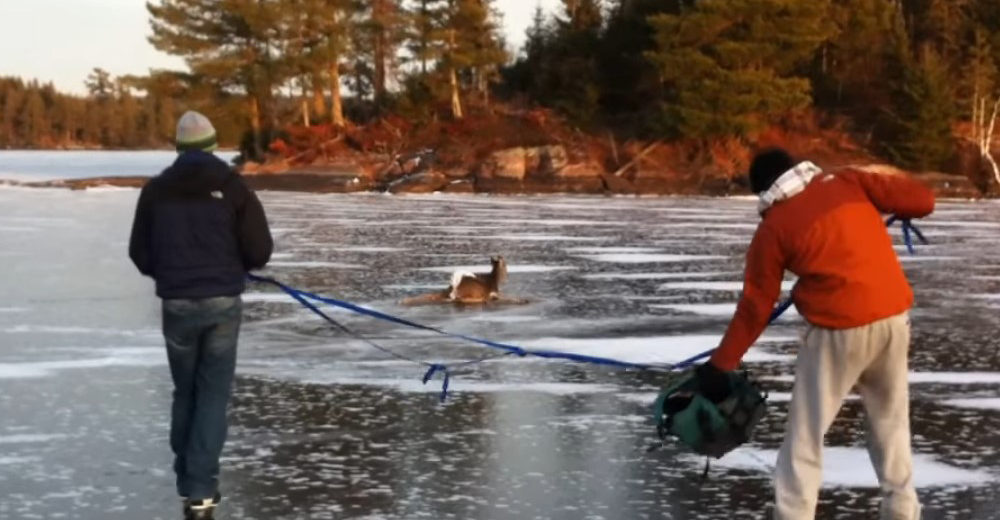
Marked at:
<point>828,229</point>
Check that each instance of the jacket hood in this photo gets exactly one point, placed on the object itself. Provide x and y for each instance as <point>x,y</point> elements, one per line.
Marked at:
<point>196,173</point>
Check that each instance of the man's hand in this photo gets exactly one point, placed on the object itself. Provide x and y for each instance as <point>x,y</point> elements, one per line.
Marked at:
<point>712,382</point>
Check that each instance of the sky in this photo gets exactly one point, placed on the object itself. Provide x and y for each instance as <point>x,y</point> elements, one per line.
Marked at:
<point>63,40</point>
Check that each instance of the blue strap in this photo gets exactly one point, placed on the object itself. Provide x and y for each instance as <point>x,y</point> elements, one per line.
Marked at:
<point>511,349</point>
<point>433,368</point>
<point>908,231</point>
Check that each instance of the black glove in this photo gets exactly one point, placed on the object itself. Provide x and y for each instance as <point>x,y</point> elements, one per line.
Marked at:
<point>713,383</point>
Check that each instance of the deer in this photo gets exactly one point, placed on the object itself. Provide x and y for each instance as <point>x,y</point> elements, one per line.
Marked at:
<point>471,288</point>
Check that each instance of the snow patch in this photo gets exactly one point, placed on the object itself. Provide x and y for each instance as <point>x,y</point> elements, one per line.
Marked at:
<point>526,268</point>
<point>26,438</point>
<point>610,249</point>
<point>465,386</point>
<point>715,309</point>
<point>653,349</point>
<point>845,467</point>
<point>504,319</point>
<point>370,249</point>
<point>988,403</point>
<point>309,264</point>
<point>39,369</point>
<point>917,258</point>
<point>947,378</point>
<point>11,461</point>
<point>716,286</point>
<point>639,258</point>
<point>258,297</point>
<point>656,276</point>
<point>537,238</point>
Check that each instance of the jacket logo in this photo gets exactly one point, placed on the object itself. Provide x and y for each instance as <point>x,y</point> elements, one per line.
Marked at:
<point>217,194</point>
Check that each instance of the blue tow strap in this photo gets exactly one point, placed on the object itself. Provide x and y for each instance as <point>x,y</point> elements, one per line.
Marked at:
<point>303,298</point>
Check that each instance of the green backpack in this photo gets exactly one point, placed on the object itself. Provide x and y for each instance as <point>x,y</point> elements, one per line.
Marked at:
<point>707,428</point>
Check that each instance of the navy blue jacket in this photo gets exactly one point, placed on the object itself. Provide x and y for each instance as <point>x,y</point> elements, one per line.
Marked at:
<point>199,229</point>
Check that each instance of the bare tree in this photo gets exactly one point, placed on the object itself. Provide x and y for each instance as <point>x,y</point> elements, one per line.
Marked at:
<point>983,127</point>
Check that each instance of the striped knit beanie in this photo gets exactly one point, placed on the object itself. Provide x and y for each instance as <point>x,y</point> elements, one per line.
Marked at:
<point>195,132</point>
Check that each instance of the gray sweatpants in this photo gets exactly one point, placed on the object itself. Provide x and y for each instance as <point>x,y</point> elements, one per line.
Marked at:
<point>872,359</point>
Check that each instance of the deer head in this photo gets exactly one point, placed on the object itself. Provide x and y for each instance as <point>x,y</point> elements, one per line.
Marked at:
<point>499,269</point>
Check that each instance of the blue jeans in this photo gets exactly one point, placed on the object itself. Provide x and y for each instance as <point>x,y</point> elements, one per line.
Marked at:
<point>201,347</point>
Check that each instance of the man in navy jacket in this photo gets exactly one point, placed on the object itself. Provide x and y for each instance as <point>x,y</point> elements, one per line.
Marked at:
<point>198,230</point>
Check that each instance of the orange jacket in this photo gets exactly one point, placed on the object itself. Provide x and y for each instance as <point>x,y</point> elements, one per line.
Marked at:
<point>833,236</point>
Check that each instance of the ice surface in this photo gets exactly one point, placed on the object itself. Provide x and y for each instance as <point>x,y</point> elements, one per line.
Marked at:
<point>369,249</point>
<point>927,258</point>
<point>28,438</point>
<point>947,378</point>
<point>12,460</point>
<point>851,467</point>
<point>716,286</point>
<point>39,369</point>
<point>309,264</point>
<point>533,237</point>
<point>648,398</point>
<point>958,223</point>
<point>66,330</point>
<point>459,385</point>
<point>657,276</point>
<point>653,349</point>
<point>274,297</point>
<point>715,309</point>
<point>325,444</point>
<point>641,398</point>
<point>613,249</point>
<point>640,258</point>
<point>515,268</point>
<point>505,319</point>
<point>976,403</point>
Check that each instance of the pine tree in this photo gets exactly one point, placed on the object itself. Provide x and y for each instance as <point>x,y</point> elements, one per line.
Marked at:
<point>35,129</point>
<point>731,65</point>
<point>231,43</point>
<point>13,99</point>
<point>381,33</point>
<point>127,116</point>
<point>851,65</point>
<point>461,38</point>
<point>335,21</point>
<point>560,66</point>
<point>573,74</point>
<point>420,35</point>
<point>99,84</point>
<point>629,82</point>
<point>918,132</point>
<point>480,49</point>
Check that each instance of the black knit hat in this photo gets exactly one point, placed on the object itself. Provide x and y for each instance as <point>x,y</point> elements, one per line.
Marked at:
<point>767,166</point>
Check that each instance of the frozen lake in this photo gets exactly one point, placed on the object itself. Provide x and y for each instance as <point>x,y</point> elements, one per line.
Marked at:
<point>32,166</point>
<point>324,427</point>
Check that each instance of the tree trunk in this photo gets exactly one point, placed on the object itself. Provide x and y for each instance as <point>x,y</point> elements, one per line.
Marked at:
<point>456,99</point>
<point>336,102</point>
<point>988,142</point>
<point>379,16</point>
<point>319,98</point>
<point>305,103</point>
<point>255,125</point>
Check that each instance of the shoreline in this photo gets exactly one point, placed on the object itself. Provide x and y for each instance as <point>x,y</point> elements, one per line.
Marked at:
<point>325,183</point>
